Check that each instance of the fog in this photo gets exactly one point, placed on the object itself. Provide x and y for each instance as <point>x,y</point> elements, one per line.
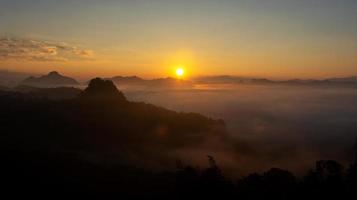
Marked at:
<point>270,126</point>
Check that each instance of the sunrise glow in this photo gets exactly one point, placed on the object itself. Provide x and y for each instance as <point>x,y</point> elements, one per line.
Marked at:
<point>252,98</point>
<point>180,72</point>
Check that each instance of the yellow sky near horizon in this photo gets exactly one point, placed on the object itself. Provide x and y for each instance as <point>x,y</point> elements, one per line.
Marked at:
<point>257,38</point>
<point>164,64</point>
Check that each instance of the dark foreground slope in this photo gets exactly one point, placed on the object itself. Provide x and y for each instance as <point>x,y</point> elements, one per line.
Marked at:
<point>100,144</point>
<point>65,141</point>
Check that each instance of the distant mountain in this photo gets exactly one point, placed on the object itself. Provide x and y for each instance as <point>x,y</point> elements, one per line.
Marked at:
<point>49,93</point>
<point>128,80</point>
<point>225,79</point>
<point>171,82</point>
<point>11,79</point>
<point>352,79</point>
<point>152,83</point>
<point>52,79</point>
<point>348,81</point>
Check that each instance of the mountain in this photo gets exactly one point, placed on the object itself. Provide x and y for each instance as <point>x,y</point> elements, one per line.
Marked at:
<point>101,126</point>
<point>345,82</point>
<point>89,146</point>
<point>161,83</point>
<point>11,79</point>
<point>169,82</point>
<point>352,79</point>
<point>103,90</point>
<point>52,79</point>
<point>50,93</point>
<point>96,142</point>
<point>128,80</point>
<point>226,79</point>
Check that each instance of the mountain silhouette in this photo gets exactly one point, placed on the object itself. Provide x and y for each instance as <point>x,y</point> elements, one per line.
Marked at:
<point>167,82</point>
<point>226,79</point>
<point>352,79</point>
<point>99,122</point>
<point>52,79</point>
<point>11,79</point>
<point>98,143</point>
<point>55,93</point>
<point>128,80</point>
<point>105,90</point>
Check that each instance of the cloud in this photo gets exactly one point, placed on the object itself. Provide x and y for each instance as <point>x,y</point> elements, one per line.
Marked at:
<point>43,51</point>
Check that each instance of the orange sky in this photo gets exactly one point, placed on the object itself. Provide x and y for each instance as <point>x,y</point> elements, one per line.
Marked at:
<point>273,39</point>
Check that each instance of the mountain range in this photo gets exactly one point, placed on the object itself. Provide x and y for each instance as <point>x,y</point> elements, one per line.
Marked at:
<point>55,79</point>
<point>96,141</point>
<point>11,79</point>
<point>52,79</point>
<point>100,124</point>
<point>98,144</point>
<point>151,83</point>
<point>226,79</point>
<point>55,93</point>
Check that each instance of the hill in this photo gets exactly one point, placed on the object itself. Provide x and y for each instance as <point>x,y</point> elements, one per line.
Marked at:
<point>352,79</point>
<point>100,122</point>
<point>52,79</point>
<point>99,143</point>
<point>50,93</point>
<point>128,80</point>
<point>160,83</point>
<point>11,79</point>
<point>226,79</point>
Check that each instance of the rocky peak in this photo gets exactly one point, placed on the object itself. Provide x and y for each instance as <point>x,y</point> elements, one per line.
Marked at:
<point>54,73</point>
<point>103,90</point>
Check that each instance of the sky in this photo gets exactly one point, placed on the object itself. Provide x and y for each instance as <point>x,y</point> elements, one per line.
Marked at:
<point>150,38</point>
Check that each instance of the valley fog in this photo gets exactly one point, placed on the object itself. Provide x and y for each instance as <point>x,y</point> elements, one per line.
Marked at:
<point>270,126</point>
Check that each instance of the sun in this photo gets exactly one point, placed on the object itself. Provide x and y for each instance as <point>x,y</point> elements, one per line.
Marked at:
<point>180,72</point>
